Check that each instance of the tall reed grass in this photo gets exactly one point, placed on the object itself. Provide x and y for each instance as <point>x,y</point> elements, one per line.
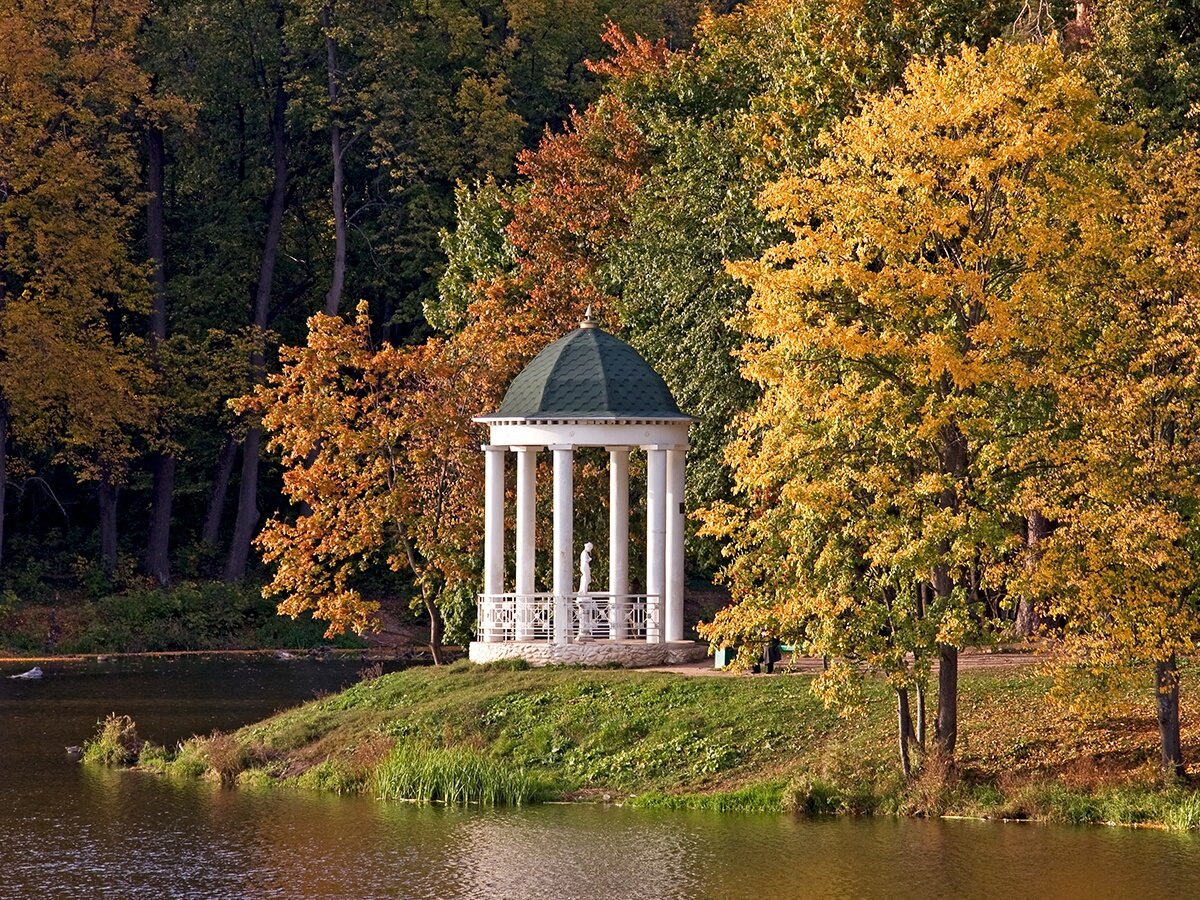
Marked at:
<point>456,777</point>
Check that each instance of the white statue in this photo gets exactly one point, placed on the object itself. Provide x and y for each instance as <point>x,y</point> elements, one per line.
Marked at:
<point>586,606</point>
<point>585,568</point>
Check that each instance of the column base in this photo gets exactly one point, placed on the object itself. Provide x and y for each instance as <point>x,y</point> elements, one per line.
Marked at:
<point>627,654</point>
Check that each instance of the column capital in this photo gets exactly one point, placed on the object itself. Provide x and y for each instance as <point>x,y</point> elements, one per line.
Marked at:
<point>664,446</point>
<point>494,448</point>
<point>526,448</point>
<point>619,449</point>
<point>557,447</point>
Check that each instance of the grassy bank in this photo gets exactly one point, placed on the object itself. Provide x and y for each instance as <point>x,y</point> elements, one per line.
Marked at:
<point>506,735</point>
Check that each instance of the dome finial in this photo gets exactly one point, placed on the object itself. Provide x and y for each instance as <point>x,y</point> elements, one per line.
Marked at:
<point>588,321</point>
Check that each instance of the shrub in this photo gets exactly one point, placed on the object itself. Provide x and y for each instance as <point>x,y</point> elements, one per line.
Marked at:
<point>190,761</point>
<point>331,777</point>
<point>811,796</point>
<point>116,742</point>
<point>226,756</point>
<point>154,757</point>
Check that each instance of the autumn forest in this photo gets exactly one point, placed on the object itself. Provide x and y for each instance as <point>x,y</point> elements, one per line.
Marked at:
<point>927,273</point>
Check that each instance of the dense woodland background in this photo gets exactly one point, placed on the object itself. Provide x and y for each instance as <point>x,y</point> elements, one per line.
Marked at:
<point>446,186</point>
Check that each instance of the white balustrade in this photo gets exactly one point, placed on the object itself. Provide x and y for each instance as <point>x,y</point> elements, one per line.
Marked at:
<point>594,616</point>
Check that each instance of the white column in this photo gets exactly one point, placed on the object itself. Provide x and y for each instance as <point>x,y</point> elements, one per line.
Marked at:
<point>493,530</point>
<point>674,541</point>
<point>526,537</point>
<point>618,538</point>
<point>564,540</point>
<point>656,490</point>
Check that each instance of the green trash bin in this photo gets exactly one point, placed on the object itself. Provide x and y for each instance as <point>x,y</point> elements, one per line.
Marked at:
<point>724,656</point>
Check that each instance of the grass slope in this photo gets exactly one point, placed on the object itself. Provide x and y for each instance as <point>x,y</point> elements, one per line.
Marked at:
<point>501,734</point>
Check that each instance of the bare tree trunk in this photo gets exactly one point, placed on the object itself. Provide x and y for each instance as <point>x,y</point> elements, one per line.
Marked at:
<point>921,716</point>
<point>107,496</point>
<point>337,282</point>
<point>247,512</point>
<point>429,596</point>
<point>905,729</point>
<point>1079,32</point>
<point>158,560</point>
<point>220,487</point>
<point>1166,686</point>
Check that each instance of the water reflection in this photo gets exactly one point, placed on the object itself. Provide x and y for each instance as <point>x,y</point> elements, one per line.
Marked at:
<point>68,830</point>
<point>552,852</point>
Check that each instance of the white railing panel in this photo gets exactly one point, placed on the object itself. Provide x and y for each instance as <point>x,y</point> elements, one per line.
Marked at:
<point>501,617</point>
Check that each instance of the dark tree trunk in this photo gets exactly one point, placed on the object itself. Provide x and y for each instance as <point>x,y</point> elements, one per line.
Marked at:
<point>162,463</point>
<point>1166,685</point>
<point>337,281</point>
<point>247,512</point>
<point>905,729</point>
<point>220,487</point>
<point>3,404</point>
<point>954,464</point>
<point>107,495</point>
<point>3,470</point>
<point>158,559</point>
<point>155,236</point>
<point>946,726</point>
<point>1037,529</point>
<point>436,630</point>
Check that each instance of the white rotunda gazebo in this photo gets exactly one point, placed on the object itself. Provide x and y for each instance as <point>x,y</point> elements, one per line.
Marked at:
<point>588,389</point>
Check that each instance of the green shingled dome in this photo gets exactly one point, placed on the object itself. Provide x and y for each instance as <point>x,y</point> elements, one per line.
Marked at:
<point>588,374</point>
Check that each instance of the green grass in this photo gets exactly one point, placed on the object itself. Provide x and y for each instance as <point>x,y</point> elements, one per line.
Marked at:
<point>508,734</point>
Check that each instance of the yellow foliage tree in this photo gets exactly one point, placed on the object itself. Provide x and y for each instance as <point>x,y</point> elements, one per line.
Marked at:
<point>876,510</point>
<point>70,93</point>
<point>1119,461</point>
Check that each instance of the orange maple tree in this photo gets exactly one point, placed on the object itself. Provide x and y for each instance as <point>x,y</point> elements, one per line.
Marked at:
<point>382,465</point>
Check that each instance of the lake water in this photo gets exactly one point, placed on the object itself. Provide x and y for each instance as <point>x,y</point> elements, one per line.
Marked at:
<point>68,830</point>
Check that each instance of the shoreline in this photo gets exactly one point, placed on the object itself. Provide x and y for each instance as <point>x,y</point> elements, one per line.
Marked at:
<point>371,654</point>
<point>507,735</point>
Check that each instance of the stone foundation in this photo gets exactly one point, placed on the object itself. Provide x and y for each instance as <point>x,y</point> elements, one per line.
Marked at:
<point>628,654</point>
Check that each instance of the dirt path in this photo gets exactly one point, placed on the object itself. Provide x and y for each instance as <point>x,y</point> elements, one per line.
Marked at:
<point>968,660</point>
